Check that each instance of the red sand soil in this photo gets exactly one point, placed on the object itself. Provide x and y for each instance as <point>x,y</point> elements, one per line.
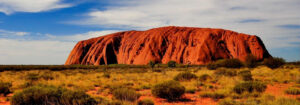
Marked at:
<point>3,100</point>
<point>278,90</point>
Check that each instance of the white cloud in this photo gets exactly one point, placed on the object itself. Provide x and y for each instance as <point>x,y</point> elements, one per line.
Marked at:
<point>14,51</point>
<point>83,36</point>
<point>11,6</point>
<point>227,14</point>
<point>12,33</point>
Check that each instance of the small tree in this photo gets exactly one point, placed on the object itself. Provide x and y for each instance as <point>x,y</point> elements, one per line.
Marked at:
<point>171,64</point>
<point>274,63</point>
<point>4,88</point>
<point>151,64</point>
<point>251,61</point>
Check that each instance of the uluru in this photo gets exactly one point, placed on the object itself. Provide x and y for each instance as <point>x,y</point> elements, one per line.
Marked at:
<point>185,45</point>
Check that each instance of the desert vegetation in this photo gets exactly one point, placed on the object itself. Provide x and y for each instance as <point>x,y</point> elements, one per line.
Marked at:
<point>231,82</point>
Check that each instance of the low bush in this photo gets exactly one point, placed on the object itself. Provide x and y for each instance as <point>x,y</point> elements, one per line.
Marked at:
<point>273,63</point>
<point>171,64</point>
<point>170,90</point>
<point>32,76</point>
<point>226,72</point>
<point>246,75</point>
<point>211,66</point>
<point>250,86</point>
<point>125,94</point>
<point>106,75</point>
<point>229,63</point>
<point>212,95</point>
<point>190,90</point>
<point>293,91</point>
<point>151,64</point>
<point>185,76</point>
<point>251,61</point>
<point>46,76</point>
<point>145,102</point>
<point>204,77</point>
<point>4,88</point>
<point>50,95</point>
<point>157,70</point>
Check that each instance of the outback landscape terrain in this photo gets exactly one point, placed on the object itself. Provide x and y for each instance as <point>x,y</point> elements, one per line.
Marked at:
<point>161,66</point>
<point>146,85</point>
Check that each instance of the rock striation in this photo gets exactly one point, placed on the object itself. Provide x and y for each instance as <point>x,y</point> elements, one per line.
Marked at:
<point>185,45</point>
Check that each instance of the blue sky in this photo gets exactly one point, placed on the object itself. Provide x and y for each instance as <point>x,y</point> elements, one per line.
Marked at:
<point>45,31</point>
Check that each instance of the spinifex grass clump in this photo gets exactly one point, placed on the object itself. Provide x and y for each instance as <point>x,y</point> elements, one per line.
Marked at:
<point>246,75</point>
<point>4,88</point>
<point>293,91</point>
<point>213,95</point>
<point>50,95</point>
<point>185,76</point>
<point>125,94</point>
<point>170,90</point>
<point>250,86</point>
<point>145,102</point>
<point>274,63</point>
<point>226,72</point>
<point>204,77</point>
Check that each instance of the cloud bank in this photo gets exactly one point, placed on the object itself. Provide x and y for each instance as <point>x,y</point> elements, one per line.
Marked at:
<point>11,6</point>
<point>275,21</point>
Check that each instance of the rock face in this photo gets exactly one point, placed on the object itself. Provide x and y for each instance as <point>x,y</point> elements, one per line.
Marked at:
<point>185,45</point>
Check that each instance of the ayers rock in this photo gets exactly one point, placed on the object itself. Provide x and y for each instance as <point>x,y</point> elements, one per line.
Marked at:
<point>185,45</point>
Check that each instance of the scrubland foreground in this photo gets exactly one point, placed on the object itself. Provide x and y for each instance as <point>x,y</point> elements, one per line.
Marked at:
<point>153,84</point>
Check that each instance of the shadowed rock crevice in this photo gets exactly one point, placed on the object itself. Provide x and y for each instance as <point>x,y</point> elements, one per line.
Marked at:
<point>186,45</point>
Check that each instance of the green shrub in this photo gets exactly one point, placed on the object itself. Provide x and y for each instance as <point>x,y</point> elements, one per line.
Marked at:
<point>151,64</point>
<point>211,66</point>
<point>32,76</point>
<point>246,75</point>
<point>293,91</point>
<point>213,95</point>
<point>251,61</point>
<point>171,64</point>
<point>229,63</point>
<point>157,70</point>
<point>50,95</point>
<point>145,102</point>
<point>170,90</point>
<point>190,90</point>
<point>125,94</point>
<point>273,62</point>
<point>204,77</point>
<point>4,88</point>
<point>249,86</point>
<point>106,75</point>
<point>185,76</point>
<point>226,72</point>
<point>46,76</point>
